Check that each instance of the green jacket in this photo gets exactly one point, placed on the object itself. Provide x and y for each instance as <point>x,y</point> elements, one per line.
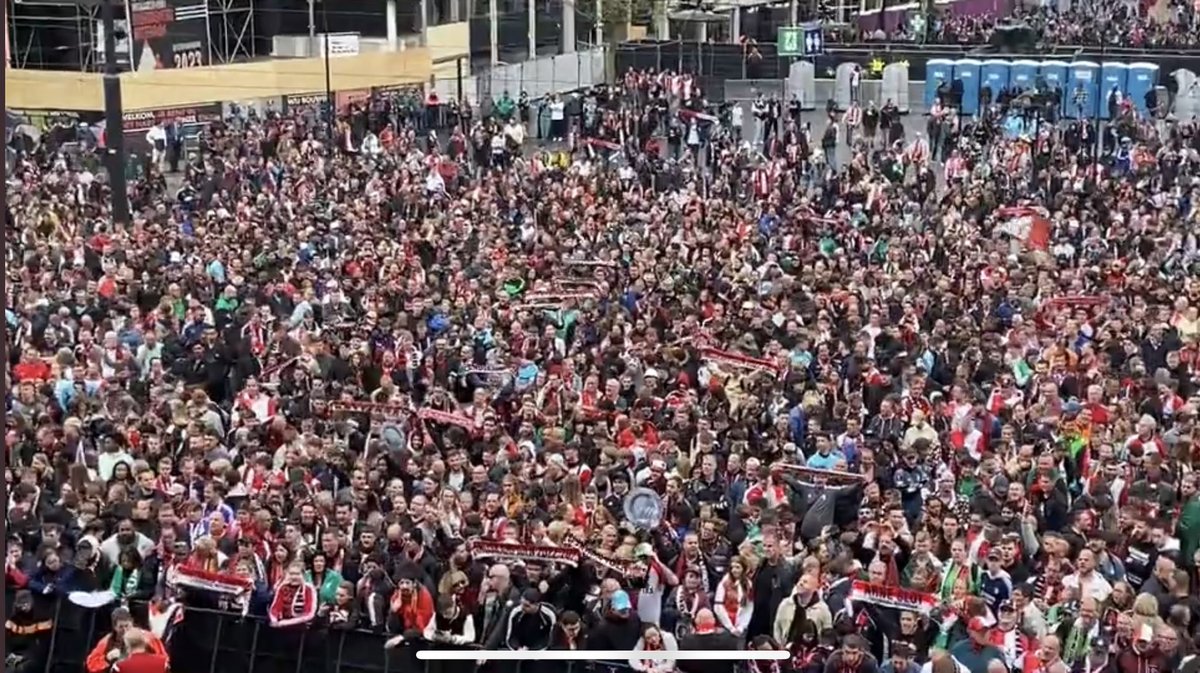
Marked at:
<point>327,592</point>
<point>1188,528</point>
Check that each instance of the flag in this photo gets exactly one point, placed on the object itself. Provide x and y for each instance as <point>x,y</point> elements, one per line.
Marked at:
<point>1031,226</point>
<point>893,597</point>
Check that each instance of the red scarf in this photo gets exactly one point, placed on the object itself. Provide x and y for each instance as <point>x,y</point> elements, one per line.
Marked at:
<point>256,334</point>
<point>733,595</point>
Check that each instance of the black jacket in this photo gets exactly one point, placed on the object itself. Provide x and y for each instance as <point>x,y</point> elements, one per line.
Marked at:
<point>718,640</point>
<point>616,634</point>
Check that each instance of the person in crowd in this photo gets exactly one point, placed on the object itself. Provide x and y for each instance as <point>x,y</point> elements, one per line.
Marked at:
<point>654,639</point>
<point>141,656</point>
<point>707,636</point>
<point>26,632</point>
<point>112,648</point>
<point>875,401</point>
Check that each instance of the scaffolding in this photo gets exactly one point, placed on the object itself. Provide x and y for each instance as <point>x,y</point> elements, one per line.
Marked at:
<point>69,35</point>
<point>52,34</point>
<point>230,30</point>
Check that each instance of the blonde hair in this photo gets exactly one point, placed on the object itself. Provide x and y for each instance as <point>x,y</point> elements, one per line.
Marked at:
<point>135,640</point>
<point>1145,605</point>
<point>446,585</point>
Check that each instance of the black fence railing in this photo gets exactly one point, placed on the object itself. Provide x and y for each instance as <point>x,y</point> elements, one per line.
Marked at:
<point>715,63</point>
<point>214,641</point>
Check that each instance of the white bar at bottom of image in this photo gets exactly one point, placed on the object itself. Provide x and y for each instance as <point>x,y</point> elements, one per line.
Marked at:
<point>602,655</point>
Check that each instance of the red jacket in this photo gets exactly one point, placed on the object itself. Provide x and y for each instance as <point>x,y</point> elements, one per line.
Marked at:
<point>142,662</point>
<point>415,612</point>
<point>13,577</point>
<point>97,659</point>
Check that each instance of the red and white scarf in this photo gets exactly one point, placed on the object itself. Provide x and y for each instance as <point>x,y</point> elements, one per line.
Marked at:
<point>256,334</point>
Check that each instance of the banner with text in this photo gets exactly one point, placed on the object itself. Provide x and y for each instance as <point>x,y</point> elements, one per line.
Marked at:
<point>168,34</point>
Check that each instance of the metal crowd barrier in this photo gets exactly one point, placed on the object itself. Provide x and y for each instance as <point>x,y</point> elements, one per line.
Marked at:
<point>213,641</point>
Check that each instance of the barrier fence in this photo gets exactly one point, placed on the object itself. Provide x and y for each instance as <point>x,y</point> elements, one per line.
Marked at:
<point>213,641</point>
<point>539,77</point>
<point>715,63</point>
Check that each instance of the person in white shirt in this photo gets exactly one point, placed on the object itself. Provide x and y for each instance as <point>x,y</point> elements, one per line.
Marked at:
<point>515,132</point>
<point>1086,581</point>
<point>558,118</point>
<point>156,137</point>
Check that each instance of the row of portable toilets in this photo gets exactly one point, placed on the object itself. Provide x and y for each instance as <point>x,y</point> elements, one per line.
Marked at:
<point>1096,80</point>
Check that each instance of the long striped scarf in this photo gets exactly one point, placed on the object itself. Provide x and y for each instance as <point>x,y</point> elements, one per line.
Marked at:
<point>953,570</point>
<point>1076,645</point>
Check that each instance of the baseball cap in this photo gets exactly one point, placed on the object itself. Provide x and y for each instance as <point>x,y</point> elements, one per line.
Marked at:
<point>620,601</point>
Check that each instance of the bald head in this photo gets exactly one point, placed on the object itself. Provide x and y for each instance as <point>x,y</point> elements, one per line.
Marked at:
<point>705,620</point>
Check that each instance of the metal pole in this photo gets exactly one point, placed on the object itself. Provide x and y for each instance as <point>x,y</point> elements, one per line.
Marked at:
<point>212,660</point>
<point>458,78</point>
<point>331,110</point>
<point>54,635</point>
<point>114,141</point>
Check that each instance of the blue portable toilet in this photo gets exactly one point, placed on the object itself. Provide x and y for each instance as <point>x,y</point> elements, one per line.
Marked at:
<point>968,71</point>
<point>1082,93</point>
<point>1023,75</point>
<point>1054,73</point>
<point>1143,77</point>
<point>994,74</point>
<point>937,70</point>
<point>1113,75</point>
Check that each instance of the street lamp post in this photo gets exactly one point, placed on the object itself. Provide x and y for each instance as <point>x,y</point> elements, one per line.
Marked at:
<point>114,145</point>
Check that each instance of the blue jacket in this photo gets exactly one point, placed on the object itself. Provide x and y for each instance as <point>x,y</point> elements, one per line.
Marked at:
<point>61,582</point>
<point>975,659</point>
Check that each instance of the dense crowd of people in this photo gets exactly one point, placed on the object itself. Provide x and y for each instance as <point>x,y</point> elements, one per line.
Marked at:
<point>673,379</point>
<point>1165,24</point>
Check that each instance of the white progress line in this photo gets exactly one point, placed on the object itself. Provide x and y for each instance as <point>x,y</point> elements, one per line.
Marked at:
<point>602,655</point>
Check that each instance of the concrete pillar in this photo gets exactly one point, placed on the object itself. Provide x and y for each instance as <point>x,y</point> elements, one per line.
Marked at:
<point>423,8</point>
<point>392,37</point>
<point>735,24</point>
<point>599,22</point>
<point>493,30</point>
<point>568,27</point>
<point>662,20</point>
<point>531,6</point>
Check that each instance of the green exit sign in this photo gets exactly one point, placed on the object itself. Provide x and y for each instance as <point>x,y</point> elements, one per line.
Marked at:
<point>801,41</point>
